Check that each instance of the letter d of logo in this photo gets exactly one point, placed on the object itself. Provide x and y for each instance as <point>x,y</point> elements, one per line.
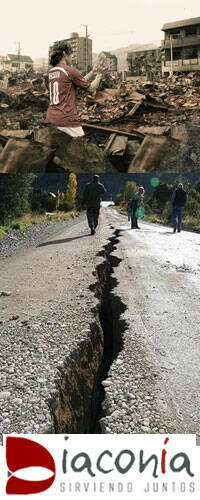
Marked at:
<point>22,453</point>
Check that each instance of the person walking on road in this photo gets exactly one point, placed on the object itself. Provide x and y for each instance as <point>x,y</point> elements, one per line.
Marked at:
<point>63,84</point>
<point>92,196</point>
<point>136,206</point>
<point>179,199</point>
<point>129,211</point>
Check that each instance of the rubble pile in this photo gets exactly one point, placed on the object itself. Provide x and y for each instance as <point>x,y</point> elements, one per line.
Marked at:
<point>118,100</point>
<point>132,125</point>
<point>48,150</point>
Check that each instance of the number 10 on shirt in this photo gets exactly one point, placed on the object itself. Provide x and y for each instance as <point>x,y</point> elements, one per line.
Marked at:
<point>54,93</point>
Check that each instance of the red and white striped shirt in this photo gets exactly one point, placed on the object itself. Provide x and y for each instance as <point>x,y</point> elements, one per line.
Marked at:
<point>63,84</point>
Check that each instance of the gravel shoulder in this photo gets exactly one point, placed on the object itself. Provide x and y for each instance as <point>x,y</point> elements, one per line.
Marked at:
<point>19,239</point>
<point>49,285</point>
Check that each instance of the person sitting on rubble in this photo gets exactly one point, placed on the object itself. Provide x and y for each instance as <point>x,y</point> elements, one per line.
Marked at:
<point>63,84</point>
<point>136,206</point>
<point>92,196</point>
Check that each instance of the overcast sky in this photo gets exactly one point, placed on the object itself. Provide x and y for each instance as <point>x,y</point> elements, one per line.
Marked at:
<point>111,23</point>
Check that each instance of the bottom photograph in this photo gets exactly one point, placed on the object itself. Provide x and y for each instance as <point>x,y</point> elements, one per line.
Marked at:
<point>99,304</point>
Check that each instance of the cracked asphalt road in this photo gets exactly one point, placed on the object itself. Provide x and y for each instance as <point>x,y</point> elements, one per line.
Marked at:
<point>155,379</point>
<point>49,294</point>
<point>159,282</point>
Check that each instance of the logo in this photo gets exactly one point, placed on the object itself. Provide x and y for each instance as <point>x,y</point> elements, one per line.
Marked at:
<point>131,466</point>
<point>22,453</point>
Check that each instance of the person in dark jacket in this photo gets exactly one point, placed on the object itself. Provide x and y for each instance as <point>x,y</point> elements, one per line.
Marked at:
<point>92,196</point>
<point>179,199</point>
<point>136,209</point>
<point>129,211</point>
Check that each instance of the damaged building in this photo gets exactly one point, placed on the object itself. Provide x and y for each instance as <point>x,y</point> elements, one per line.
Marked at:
<point>181,47</point>
<point>144,62</point>
<point>16,63</point>
<point>142,124</point>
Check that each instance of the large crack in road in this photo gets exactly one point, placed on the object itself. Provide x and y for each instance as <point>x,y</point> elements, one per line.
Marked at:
<point>98,352</point>
<point>78,408</point>
<point>56,354</point>
<point>154,382</point>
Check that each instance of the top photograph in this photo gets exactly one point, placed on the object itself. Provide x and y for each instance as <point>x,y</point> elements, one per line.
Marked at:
<point>111,89</point>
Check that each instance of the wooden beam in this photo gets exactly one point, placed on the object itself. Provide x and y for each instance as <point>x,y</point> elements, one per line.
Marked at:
<point>106,131</point>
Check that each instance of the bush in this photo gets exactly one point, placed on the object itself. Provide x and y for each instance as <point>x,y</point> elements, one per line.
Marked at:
<point>193,208</point>
<point>36,202</point>
<point>79,205</point>
<point>42,202</point>
<point>130,190</point>
<point>161,195</point>
<point>197,186</point>
<point>15,225</point>
<point>118,198</point>
<point>14,196</point>
<point>167,212</point>
<point>65,206</point>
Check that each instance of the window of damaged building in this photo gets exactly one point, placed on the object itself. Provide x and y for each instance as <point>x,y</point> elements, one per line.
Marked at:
<point>190,53</point>
<point>191,31</point>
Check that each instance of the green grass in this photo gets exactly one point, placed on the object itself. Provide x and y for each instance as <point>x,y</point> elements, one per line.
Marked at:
<point>189,223</point>
<point>2,231</point>
<point>28,220</point>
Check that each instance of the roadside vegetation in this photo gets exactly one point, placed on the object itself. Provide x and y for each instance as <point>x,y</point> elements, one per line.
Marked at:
<point>21,207</point>
<point>157,203</point>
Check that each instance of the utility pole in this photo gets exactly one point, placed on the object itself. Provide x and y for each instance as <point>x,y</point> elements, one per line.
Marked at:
<point>86,47</point>
<point>19,53</point>
<point>171,47</point>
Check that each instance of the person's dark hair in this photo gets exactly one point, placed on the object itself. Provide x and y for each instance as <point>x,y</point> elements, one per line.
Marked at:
<point>96,178</point>
<point>57,51</point>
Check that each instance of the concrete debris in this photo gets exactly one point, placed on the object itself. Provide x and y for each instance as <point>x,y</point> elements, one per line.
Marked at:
<point>5,98</point>
<point>25,156</point>
<point>156,153</point>
<point>154,130</point>
<point>18,134</point>
<point>29,99</point>
<point>75,155</point>
<point>116,149</point>
<point>148,110</point>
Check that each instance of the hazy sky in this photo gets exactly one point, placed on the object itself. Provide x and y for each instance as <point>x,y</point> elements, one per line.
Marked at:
<point>111,23</point>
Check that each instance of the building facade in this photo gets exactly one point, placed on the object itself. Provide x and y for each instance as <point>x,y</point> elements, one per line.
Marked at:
<point>15,63</point>
<point>181,46</point>
<point>142,61</point>
<point>81,52</point>
<point>41,64</point>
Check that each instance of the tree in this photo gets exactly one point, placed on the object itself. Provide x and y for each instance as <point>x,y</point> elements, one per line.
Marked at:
<point>14,195</point>
<point>59,198</point>
<point>161,195</point>
<point>71,192</point>
<point>130,190</point>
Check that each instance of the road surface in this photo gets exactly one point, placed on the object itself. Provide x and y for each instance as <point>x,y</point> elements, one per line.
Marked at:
<point>159,282</point>
<point>153,384</point>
